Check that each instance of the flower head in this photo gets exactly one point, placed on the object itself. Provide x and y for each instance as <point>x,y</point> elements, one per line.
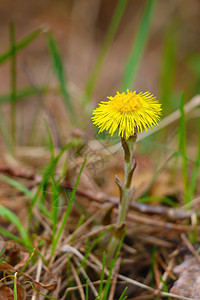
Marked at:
<point>129,112</point>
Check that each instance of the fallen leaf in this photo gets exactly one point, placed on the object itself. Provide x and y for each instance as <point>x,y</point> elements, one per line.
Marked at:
<point>4,266</point>
<point>50,287</point>
<point>6,293</point>
<point>187,284</point>
<point>21,293</point>
<point>12,252</point>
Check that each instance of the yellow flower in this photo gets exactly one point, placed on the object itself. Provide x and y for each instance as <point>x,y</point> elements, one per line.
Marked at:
<point>128,112</point>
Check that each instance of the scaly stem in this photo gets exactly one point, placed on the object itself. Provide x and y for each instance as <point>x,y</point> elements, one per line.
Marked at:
<point>125,194</point>
<point>128,167</point>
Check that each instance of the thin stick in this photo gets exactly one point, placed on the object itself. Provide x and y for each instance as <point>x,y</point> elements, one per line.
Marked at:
<point>82,227</point>
<point>190,246</point>
<point>146,287</point>
<point>80,288</point>
<point>151,221</point>
<point>38,274</point>
<point>86,277</point>
<point>114,282</point>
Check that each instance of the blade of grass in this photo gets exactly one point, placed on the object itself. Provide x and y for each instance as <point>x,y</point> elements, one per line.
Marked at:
<point>13,83</point>
<point>108,282</point>
<point>26,264</point>
<point>87,290</point>
<point>45,296</point>
<point>51,147</point>
<point>23,94</point>
<point>122,295</point>
<point>22,44</point>
<point>90,85</point>
<point>11,236</point>
<point>5,133</point>
<point>195,172</point>
<point>15,286</point>
<point>95,242</point>
<point>54,204</point>
<point>182,146</point>
<point>11,217</point>
<point>71,200</point>
<point>25,191</point>
<point>160,199</point>
<point>138,46</point>
<point>59,71</point>
<point>1,252</point>
<point>102,277</point>
<point>54,186</point>
<point>164,287</point>
<point>48,173</point>
<point>17,185</point>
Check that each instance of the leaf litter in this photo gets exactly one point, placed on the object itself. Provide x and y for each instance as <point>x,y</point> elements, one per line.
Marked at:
<point>150,229</point>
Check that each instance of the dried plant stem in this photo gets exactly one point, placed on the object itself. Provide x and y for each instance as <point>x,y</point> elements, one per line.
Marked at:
<point>125,194</point>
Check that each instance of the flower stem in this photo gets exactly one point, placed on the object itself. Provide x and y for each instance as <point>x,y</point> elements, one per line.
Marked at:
<point>125,193</point>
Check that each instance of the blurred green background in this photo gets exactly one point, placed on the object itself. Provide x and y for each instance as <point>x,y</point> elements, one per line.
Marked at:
<point>59,58</point>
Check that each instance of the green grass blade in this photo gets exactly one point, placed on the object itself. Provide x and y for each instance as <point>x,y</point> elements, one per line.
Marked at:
<point>138,46</point>
<point>94,243</point>
<point>45,296</point>
<point>159,199</point>
<point>23,94</point>
<point>17,185</point>
<point>87,290</point>
<point>11,217</point>
<point>54,204</point>
<point>195,172</point>
<point>71,200</point>
<point>5,133</point>
<point>13,83</point>
<point>108,282</point>
<point>182,145</point>
<point>51,147</point>
<point>26,264</point>
<point>59,71</point>
<point>165,289</point>
<point>11,236</point>
<point>15,286</point>
<point>122,295</point>
<point>90,85</point>
<point>48,173</point>
<point>22,44</point>
<point>2,250</point>
<point>25,191</point>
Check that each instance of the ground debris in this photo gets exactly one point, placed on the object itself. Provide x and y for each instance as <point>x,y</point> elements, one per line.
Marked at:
<point>187,284</point>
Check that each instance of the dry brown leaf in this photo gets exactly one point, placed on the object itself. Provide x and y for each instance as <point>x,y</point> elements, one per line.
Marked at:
<point>189,277</point>
<point>49,287</point>
<point>12,252</point>
<point>21,293</point>
<point>6,293</point>
<point>4,266</point>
